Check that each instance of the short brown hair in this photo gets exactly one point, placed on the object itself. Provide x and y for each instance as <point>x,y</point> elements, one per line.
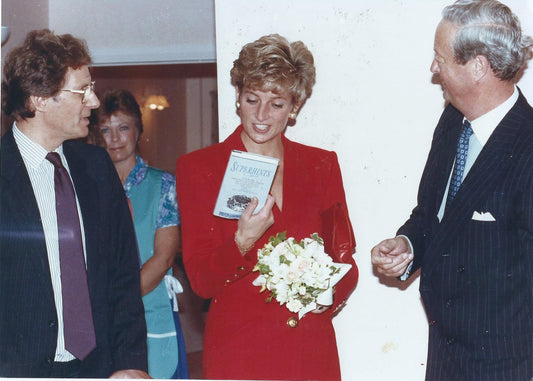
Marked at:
<point>117,100</point>
<point>38,67</point>
<point>271,63</point>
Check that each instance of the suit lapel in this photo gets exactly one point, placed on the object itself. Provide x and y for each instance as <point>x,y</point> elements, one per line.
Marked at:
<point>87,193</point>
<point>23,213</point>
<point>446,157</point>
<point>440,161</point>
<point>492,163</point>
<point>16,182</point>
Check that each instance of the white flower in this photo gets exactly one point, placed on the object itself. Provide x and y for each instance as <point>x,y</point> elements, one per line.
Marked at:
<point>282,291</point>
<point>294,305</point>
<point>292,276</point>
<point>302,263</point>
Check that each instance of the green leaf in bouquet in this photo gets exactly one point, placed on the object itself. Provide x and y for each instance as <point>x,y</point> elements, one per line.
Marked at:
<point>306,299</point>
<point>315,291</point>
<point>283,259</point>
<point>261,267</point>
<point>272,296</point>
<point>279,238</point>
<point>317,238</point>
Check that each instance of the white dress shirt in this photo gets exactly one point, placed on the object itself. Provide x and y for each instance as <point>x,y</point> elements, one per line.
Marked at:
<point>41,173</point>
<point>483,128</point>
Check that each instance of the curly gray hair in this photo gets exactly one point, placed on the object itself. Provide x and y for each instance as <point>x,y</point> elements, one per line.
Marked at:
<point>489,28</point>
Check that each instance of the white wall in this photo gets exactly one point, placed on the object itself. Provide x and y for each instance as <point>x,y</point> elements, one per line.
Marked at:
<point>20,18</point>
<point>121,32</point>
<point>375,105</point>
<point>139,31</point>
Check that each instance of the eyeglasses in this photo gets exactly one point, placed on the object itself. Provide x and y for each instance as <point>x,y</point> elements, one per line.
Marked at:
<point>86,91</point>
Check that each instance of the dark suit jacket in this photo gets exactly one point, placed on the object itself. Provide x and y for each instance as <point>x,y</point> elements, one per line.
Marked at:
<point>476,278</point>
<point>28,320</point>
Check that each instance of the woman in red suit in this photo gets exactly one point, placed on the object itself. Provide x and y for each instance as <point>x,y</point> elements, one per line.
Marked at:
<point>245,337</point>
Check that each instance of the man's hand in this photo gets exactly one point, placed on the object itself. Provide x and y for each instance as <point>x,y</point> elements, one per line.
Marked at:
<point>320,309</point>
<point>392,256</point>
<point>130,373</point>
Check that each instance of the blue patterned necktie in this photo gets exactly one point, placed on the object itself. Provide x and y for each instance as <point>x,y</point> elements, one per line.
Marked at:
<point>460,160</point>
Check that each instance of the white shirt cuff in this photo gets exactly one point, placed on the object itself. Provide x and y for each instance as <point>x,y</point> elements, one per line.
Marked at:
<point>407,272</point>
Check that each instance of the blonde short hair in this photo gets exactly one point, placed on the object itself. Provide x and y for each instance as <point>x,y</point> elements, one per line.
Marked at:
<point>271,63</point>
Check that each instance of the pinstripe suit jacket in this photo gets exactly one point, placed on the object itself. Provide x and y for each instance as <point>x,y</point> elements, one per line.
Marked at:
<point>28,320</point>
<point>476,276</point>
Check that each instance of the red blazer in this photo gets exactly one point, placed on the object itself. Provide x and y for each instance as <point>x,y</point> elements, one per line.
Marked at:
<point>246,337</point>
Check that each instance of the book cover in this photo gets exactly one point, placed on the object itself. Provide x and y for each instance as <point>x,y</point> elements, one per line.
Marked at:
<point>247,175</point>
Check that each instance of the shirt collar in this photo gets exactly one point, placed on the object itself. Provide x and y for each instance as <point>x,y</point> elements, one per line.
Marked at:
<point>137,174</point>
<point>486,124</point>
<point>33,153</point>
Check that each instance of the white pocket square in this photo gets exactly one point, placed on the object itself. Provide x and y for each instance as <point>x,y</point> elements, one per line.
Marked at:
<point>483,216</point>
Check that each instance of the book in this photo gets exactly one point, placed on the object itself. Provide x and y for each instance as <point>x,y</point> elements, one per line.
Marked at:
<point>247,175</point>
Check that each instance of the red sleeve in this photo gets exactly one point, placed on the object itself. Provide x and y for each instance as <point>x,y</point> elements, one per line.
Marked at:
<point>334,193</point>
<point>210,255</point>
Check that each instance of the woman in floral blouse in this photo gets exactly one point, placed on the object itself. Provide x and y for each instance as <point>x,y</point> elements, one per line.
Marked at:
<point>152,196</point>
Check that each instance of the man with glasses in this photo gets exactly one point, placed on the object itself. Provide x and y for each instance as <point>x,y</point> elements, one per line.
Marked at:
<point>69,271</point>
<point>86,92</point>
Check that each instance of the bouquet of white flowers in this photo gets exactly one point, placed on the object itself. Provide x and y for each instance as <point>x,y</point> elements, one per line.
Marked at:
<point>298,274</point>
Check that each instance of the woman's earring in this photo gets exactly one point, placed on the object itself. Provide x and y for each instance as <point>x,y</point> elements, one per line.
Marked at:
<point>237,104</point>
<point>292,115</point>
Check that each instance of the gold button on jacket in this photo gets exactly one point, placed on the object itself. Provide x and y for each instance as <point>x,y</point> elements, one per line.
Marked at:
<point>292,322</point>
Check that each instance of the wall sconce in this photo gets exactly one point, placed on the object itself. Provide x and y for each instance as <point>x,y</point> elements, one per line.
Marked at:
<point>157,102</point>
<point>5,34</point>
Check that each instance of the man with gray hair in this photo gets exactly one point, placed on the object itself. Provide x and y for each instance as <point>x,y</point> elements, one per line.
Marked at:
<point>471,233</point>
